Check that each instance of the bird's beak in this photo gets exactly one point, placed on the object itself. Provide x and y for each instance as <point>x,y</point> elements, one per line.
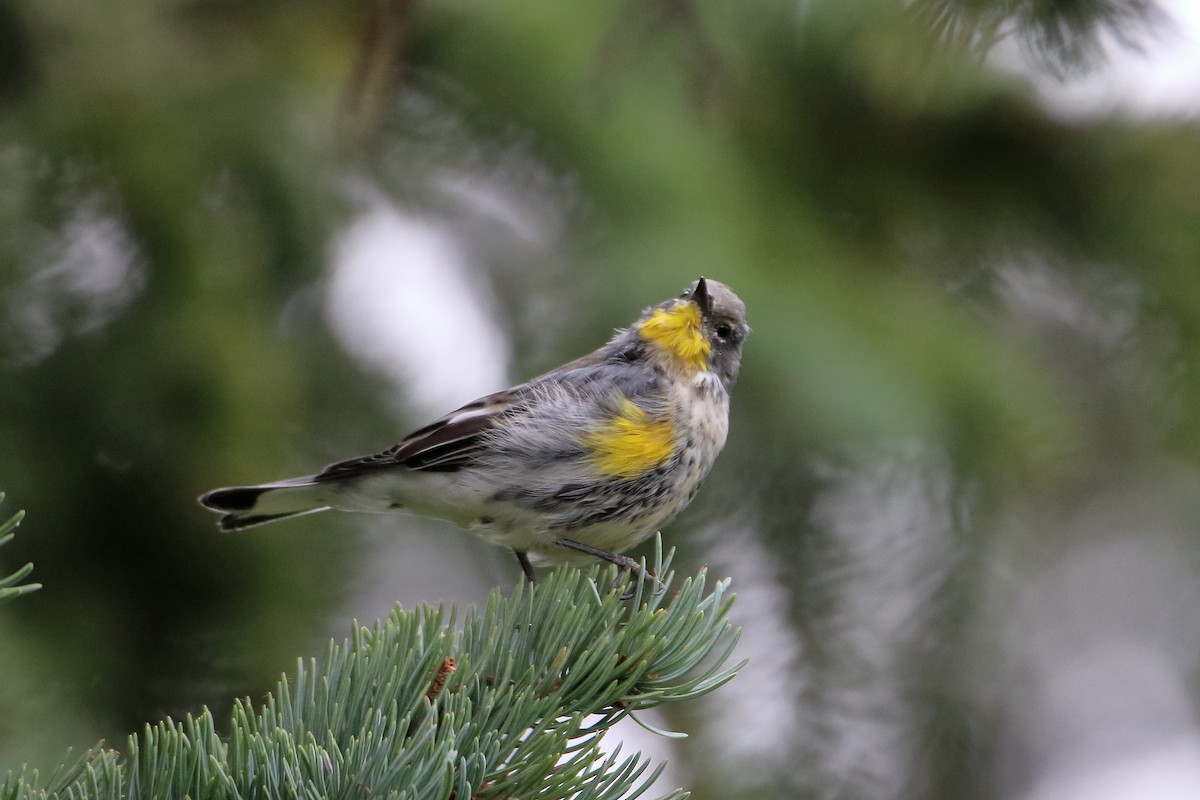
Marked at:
<point>701,298</point>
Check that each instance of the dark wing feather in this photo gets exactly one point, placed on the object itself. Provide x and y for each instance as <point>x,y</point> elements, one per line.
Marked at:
<point>446,445</point>
<point>452,442</point>
<point>449,447</point>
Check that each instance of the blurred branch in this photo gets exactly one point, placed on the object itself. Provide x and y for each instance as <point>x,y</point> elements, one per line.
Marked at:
<point>413,708</point>
<point>11,586</point>
<point>378,68</point>
<point>643,23</point>
<point>1063,36</point>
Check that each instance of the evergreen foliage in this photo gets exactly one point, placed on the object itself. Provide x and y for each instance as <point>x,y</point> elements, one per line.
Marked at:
<point>242,240</point>
<point>504,707</point>
<point>11,586</point>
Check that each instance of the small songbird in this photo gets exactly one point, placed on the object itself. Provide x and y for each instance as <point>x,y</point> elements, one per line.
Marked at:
<point>582,462</point>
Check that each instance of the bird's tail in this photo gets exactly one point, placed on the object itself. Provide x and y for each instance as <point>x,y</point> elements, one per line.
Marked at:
<point>247,506</point>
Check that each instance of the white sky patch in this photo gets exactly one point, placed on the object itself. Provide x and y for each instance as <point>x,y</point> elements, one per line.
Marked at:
<point>1092,622</point>
<point>1170,771</point>
<point>405,301</point>
<point>484,199</point>
<point>765,730</point>
<point>887,522</point>
<point>1100,307</point>
<point>1161,81</point>
<point>86,275</point>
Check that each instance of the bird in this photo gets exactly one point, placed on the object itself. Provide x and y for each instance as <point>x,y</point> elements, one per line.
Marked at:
<point>579,463</point>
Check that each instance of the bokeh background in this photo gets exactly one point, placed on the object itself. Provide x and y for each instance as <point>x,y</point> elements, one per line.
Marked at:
<point>960,501</point>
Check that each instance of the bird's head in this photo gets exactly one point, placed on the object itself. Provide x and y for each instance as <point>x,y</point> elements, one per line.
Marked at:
<point>700,331</point>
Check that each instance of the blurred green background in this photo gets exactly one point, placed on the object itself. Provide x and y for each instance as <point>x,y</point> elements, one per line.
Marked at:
<point>240,240</point>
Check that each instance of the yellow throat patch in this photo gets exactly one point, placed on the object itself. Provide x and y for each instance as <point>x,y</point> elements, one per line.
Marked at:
<point>676,331</point>
<point>631,443</point>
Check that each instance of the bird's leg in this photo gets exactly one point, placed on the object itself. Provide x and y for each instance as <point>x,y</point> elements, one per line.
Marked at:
<point>526,567</point>
<point>624,563</point>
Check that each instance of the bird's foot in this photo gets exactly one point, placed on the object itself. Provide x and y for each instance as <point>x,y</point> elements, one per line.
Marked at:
<point>626,566</point>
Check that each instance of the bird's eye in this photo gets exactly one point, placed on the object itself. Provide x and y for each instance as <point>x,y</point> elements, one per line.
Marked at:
<point>724,330</point>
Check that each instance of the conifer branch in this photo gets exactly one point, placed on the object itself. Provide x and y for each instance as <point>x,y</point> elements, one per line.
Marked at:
<point>504,707</point>
<point>11,586</point>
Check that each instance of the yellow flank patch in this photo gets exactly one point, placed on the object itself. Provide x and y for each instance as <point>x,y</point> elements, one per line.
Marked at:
<point>631,443</point>
<point>677,331</point>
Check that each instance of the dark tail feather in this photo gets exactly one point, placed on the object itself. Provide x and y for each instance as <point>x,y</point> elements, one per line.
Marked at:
<point>238,522</point>
<point>247,506</point>
<point>236,498</point>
